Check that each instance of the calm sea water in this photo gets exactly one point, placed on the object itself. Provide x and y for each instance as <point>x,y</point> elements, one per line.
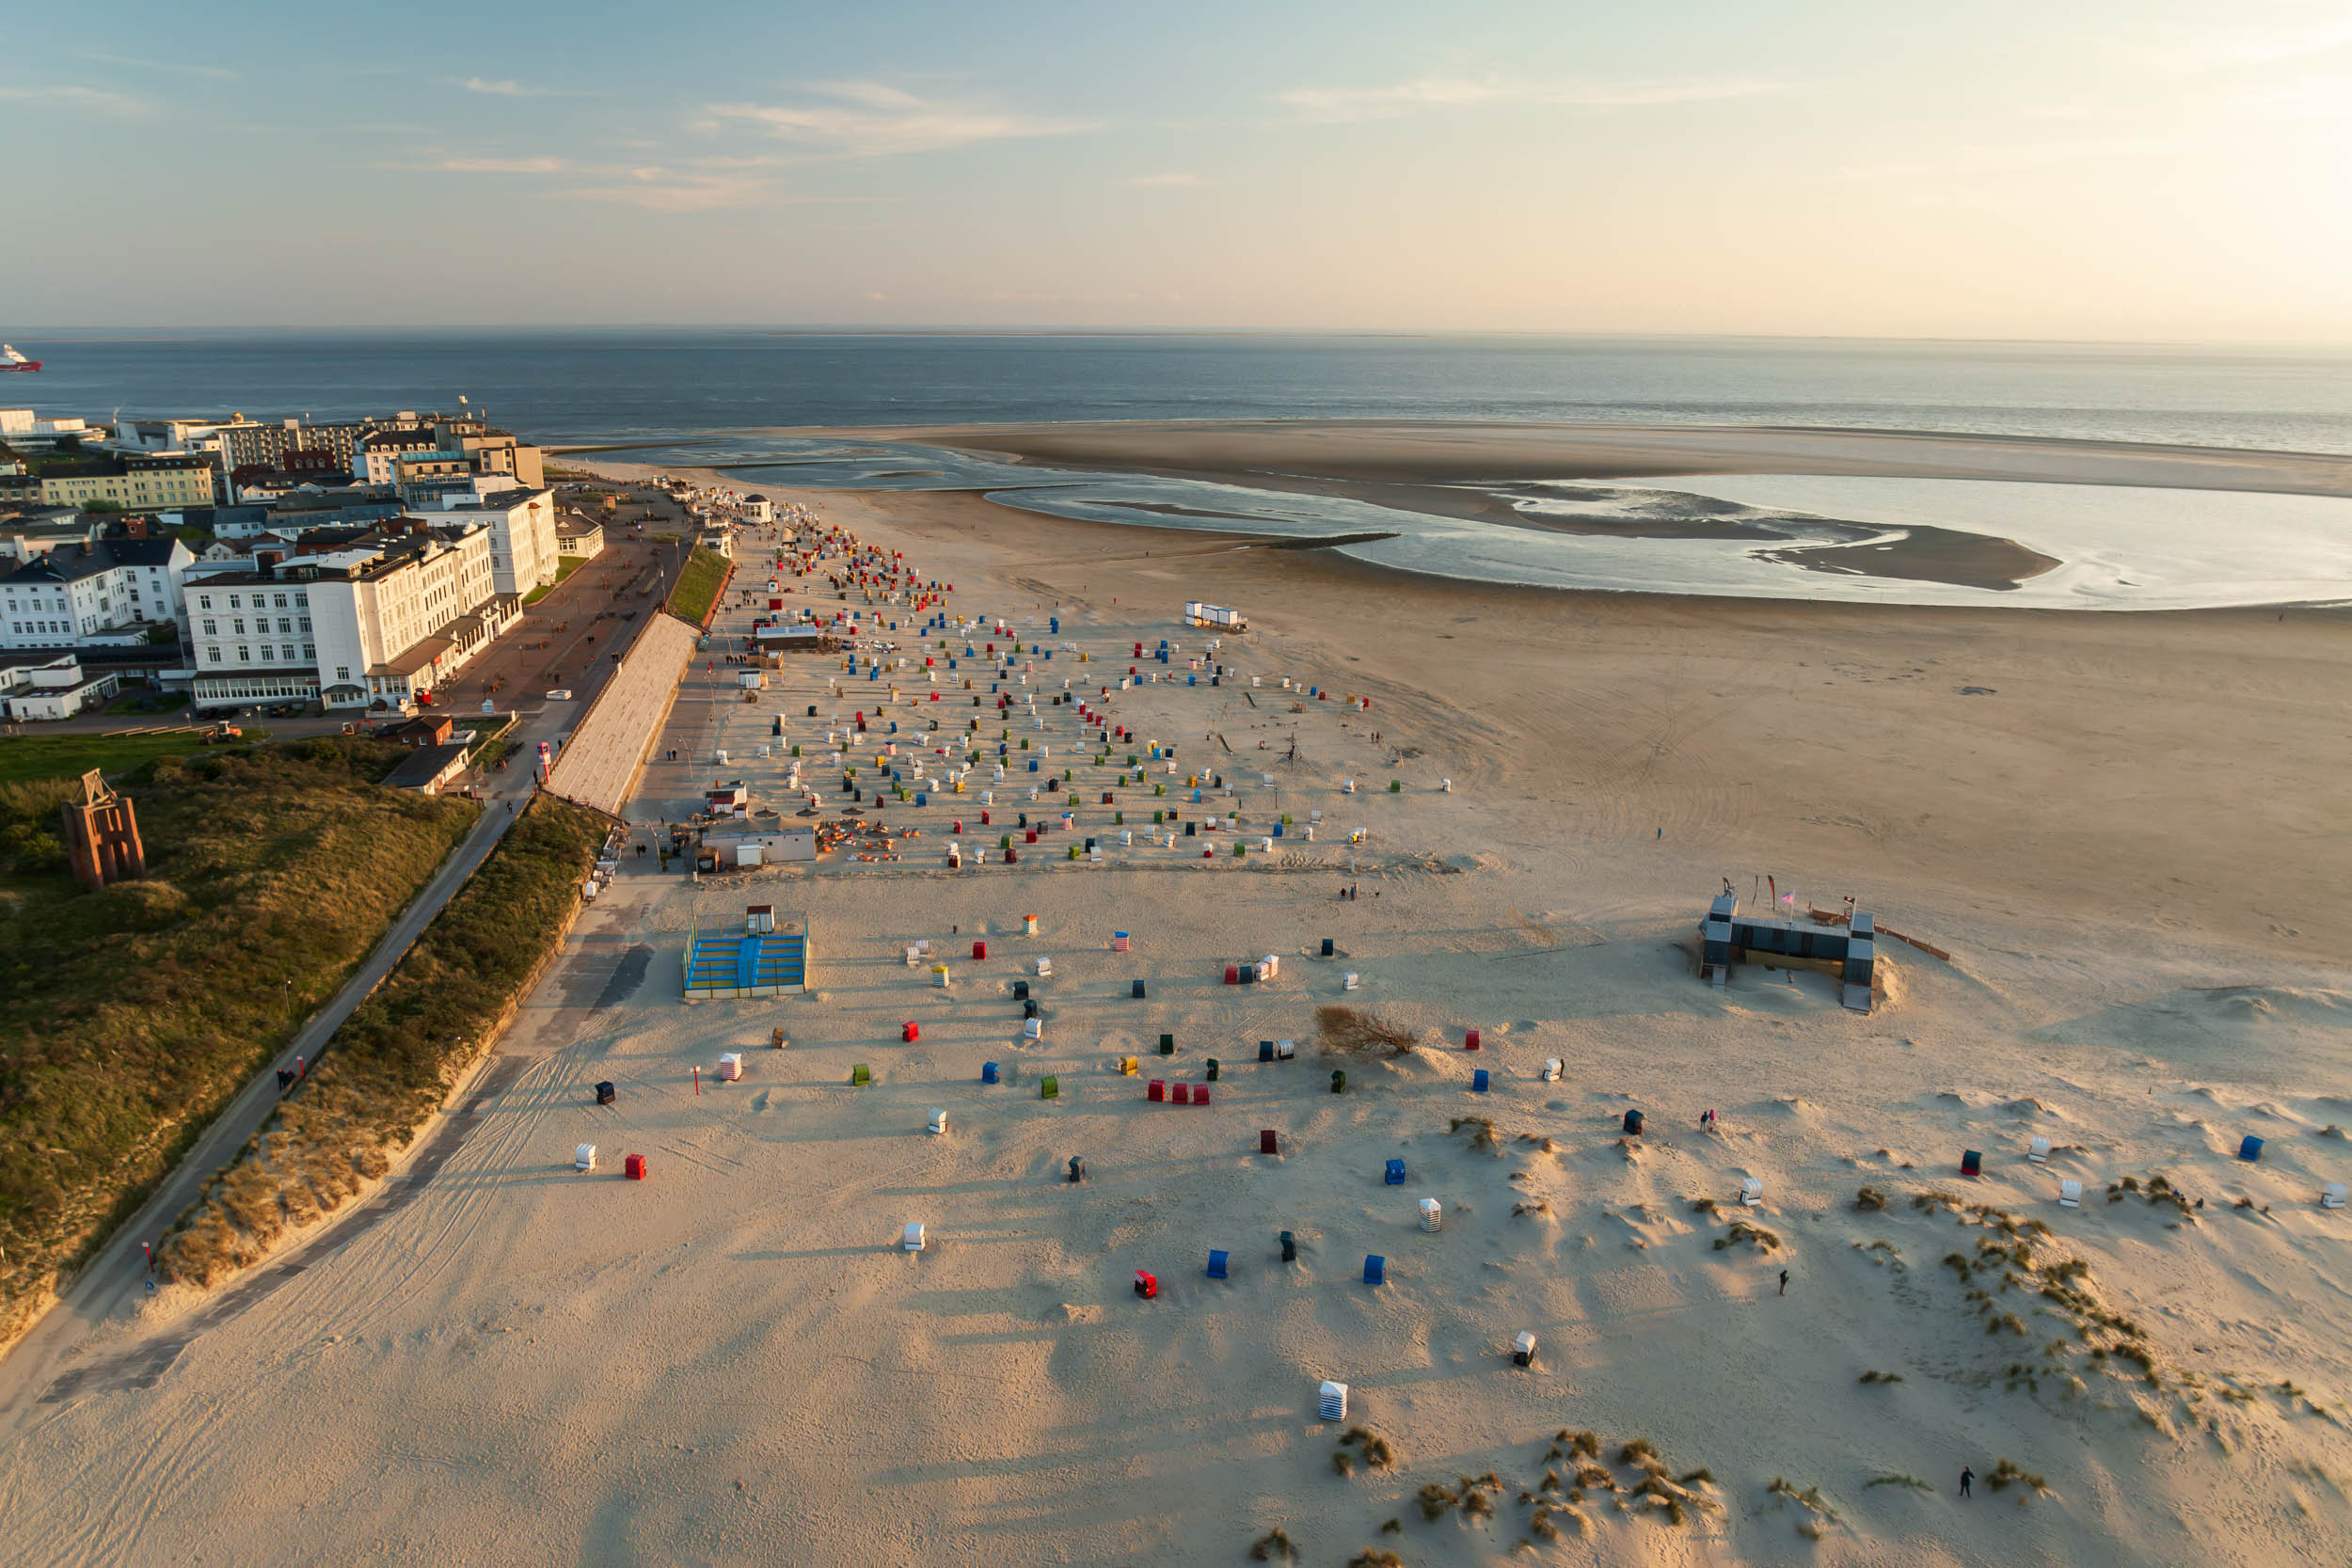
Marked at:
<point>699,394</point>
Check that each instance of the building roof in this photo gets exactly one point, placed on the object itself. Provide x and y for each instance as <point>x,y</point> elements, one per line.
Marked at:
<point>73,563</point>
<point>427,767</point>
<point>420,654</point>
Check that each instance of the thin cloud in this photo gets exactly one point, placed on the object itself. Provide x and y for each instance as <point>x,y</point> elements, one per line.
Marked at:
<point>868,120</point>
<point>2191,49</point>
<point>1147,180</point>
<point>1425,93</point>
<point>182,67</point>
<point>508,88</point>
<point>501,166</point>
<point>71,95</point>
<point>661,190</point>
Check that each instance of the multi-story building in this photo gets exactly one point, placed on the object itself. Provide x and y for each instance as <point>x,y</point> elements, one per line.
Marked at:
<point>524,552</point>
<point>380,622</point>
<point>87,594</point>
<point>125,484</point>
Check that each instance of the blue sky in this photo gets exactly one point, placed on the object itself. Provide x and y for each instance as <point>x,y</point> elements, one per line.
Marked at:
<point>2095,169</point>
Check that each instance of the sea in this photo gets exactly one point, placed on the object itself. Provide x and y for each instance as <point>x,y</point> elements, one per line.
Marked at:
<point>712,397</point>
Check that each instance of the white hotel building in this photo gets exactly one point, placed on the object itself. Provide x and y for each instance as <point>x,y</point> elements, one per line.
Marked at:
<point>380,624</point>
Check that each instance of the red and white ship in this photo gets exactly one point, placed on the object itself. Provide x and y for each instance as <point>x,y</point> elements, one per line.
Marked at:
<point>11,360</point>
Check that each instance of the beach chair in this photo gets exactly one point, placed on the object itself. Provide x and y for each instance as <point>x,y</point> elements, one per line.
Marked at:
<point>1971,1163</point>
<point>1395,1176</point>
<point>2331,1196</point>
<point>605,1092</point>
<point>1156,1090</point>
<point>1182,1094</point>
<point>1285,1050</point>
<point>1266,1142</point>
<point>2039,1152</point>
<point>938,1121</point>
<point>1633,1123</point>
<point>988,1072</point>
<point>1201,1094</point>
<point>911,1238</point>
<point>1138,991</point>
<point>1265,1051</point>
<point>1469,1040</point>
<point>1339,1080</point>
<point>634,1166</point>
<point>1077,1169</point>
<point>1552,1070</point>
<point>1167,1045</point>
<point>584,1157</point>
<point>1217,1264</point>
<point>1331,1401</point>
<point>1290,1247</point>
<point>1432,1214</point>
<point>1049,1087</point>
<point>2249,1148</point>
<point>1375,1269</point>
<point>1752,1191</point>
<point>1523,1350</point>
<point>1351,981</point>
<point>1480,1081</point>
<point>1126,1066</point>
<point>1146,1284</point>
<point>2070,1194</point>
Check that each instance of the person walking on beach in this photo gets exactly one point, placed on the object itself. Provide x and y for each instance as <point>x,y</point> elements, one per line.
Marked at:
<point>1784,1282</point>
<point>1967,1479</point>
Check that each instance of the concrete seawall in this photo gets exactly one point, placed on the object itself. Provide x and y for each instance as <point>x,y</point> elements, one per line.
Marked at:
<point>599,765</point>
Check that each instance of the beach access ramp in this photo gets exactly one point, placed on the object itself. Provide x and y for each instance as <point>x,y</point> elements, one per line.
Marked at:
<point>599,767</point>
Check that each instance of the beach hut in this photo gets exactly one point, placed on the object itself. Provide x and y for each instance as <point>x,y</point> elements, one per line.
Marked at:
<point>1432,1214</point>
<point>634,1166</point>
<point>911,1238</point>
<point>1523,1350</point>
<point>584,1157</point>
<point>2070,1194</point>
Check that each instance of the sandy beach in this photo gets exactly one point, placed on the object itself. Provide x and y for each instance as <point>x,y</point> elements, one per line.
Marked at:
<point>2123,830</point>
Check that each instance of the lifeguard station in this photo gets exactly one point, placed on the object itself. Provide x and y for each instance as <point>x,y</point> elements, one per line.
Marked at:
<point>768,957</point>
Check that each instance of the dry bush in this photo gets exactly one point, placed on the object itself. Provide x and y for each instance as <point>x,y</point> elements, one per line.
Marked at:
<point>1481,1131</point>
<point>1353,1032</point>
<point>1742,1232</point>
<point>1273,1547</point>
<point>1880,1377</point>
<point>1870,1200</point>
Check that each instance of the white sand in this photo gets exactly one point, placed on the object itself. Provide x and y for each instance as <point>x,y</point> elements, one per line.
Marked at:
<point>2131,847</point>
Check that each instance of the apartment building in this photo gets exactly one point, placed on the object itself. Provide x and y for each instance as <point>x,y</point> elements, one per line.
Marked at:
<point>92,593</point>
<point>524,549</point>
<point>381,623</point>
<point>126,484</point>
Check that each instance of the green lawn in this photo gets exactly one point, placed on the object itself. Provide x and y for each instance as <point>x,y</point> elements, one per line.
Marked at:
<point>700,585</point>
<point>165,703</point>
<point>564,568</point>
<point>131,1014</point>
<point>69,755</point>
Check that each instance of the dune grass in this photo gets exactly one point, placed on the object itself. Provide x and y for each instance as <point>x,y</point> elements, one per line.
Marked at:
<point>131,1014</point>
<point>699,586</point>
<point>385,1072</point>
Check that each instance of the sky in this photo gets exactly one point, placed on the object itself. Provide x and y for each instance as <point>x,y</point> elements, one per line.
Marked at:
<point>2093,169</point>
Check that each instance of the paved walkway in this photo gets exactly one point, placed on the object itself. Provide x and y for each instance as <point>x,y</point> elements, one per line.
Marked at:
<point>598,765</point>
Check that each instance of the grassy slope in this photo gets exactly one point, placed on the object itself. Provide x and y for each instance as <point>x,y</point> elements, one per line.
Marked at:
<point>130,1016</point>
<point>699,586</point>
<point>68,755</point>
<point>391,1063</point>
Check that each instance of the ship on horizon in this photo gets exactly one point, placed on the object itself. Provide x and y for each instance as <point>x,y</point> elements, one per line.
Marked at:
<point>11,360</point>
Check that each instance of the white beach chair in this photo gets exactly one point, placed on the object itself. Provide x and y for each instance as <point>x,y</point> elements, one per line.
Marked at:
<point>1333,1402</point>
<point>1351,981</point>
<point>913,1239</point>
<point>938,1121</point>
<point>1432,1214</point>
<point>1752,1191</point>
<point>2070,1194</point>
<point>1523,1350</point>
<point>2039,1152</point>
<point>1552,1068</point>
<point>584,1157</point>
<point>2331,1196</point>
<point>1032,1029</point>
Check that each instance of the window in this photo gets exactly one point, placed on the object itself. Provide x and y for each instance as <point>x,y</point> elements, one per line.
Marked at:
<point>309,652</point>
<point>282,601</point>
<point>233,601</point>
<point>265,652</point>
<point>306,623</point>
<point>244,654</point>
<point>290,653</point>
<point>342,672</point>
<point>212,627</point>
<point>212,655</point>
